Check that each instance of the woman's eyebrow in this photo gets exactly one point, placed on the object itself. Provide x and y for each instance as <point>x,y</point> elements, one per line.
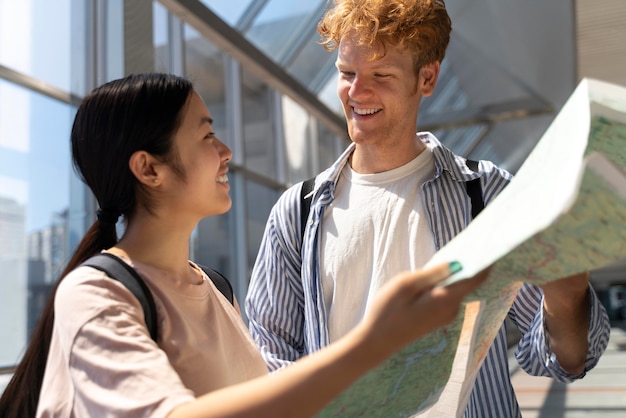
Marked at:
<point>206,119</point>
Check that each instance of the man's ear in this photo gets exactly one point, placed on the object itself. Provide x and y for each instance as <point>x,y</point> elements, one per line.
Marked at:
<point>427,79</point>
<point>145,168</point>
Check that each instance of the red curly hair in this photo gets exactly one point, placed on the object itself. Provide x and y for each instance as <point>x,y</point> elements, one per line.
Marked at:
<point>422,26</point>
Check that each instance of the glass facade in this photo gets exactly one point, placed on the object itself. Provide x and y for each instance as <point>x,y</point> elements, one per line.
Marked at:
<point>32,43</point>
<point>51,55</point>
<point>35,167</point>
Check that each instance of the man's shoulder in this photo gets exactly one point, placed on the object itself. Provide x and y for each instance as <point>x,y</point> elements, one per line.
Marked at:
<point>290,198</point>
<point>448,159</point>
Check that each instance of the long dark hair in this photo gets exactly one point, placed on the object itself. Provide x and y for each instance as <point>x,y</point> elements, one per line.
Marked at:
<point>138,112</point>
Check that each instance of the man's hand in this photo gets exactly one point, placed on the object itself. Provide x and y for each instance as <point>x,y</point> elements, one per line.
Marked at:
<point>567,314</point>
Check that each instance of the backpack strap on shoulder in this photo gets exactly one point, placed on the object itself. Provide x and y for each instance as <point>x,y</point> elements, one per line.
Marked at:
<point>125,274</point>
<point>221,282</point>
<point>305,204</point>
<point>118,270</point>
<point>474,191</point>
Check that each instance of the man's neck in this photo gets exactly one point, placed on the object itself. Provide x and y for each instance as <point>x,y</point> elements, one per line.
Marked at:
<point>368,159</point>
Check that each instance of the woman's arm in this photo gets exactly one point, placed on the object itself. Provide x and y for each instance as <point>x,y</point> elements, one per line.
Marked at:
<point>304,388</point>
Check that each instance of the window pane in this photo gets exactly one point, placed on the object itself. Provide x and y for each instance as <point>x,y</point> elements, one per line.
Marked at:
<point>35,39</point>
<point>114,39</point>
<point>204,66</point>
<point>287,9</point>
<point>330,147</point>
<point>161,38</point>
<point>229,11</point>
<point>35,172</point>
<point>328,96</point>
<point>280,23</point>
<point>296,125</point>
<point>259,132</point>
<point>212,244</point>
<point>259,202</point>
<point>312,62</point>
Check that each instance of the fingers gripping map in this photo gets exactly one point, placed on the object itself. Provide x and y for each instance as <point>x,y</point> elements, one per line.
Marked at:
<point>563,213</point>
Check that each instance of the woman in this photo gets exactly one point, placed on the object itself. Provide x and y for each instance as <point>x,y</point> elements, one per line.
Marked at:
<point>144,145</point>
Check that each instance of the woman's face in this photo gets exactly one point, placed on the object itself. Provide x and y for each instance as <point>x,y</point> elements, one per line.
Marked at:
<point>203,158</point>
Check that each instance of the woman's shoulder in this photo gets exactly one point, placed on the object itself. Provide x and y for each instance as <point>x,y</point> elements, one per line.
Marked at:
<point>86,292</point>
<point>88,282</point>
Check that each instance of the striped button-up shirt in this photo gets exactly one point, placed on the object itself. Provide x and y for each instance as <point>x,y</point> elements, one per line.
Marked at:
<point>285,305</point>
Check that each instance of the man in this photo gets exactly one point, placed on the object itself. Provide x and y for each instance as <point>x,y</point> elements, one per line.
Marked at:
<point>388,204</point>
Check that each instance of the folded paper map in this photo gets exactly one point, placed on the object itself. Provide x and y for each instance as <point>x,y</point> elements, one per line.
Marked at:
<point>563,213</point>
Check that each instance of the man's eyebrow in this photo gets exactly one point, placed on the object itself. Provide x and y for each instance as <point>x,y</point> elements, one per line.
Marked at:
<point>375,67</point>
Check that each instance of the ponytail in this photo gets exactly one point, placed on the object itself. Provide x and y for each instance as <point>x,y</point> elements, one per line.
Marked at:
<point>21,396</point>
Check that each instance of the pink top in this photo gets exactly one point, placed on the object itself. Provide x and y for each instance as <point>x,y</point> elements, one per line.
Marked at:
<point>102,361</point>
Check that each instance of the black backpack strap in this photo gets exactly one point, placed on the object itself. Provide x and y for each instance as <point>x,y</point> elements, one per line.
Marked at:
<point>221,282</point>
<point>125,274</point>
<point>473,188</point>
<point>474,191</point>
<point>305,204</point>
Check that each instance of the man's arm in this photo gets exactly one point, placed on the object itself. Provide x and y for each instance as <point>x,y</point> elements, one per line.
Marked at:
<point>275,299</point>
<point>567,312</point>
<point>536,351</point>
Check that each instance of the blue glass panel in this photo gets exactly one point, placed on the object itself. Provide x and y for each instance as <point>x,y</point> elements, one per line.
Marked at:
<point>35,173</point>
<point>35,39</point>
<point>230,11</point>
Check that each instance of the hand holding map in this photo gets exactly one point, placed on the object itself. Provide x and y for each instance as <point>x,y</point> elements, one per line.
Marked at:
<point>563,213</point>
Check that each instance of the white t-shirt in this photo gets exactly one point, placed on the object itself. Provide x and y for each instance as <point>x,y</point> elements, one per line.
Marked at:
<point>375,227</point>
<point>102,361</point>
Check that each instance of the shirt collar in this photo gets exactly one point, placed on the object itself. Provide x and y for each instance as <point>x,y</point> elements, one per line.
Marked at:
<point>444,158</point>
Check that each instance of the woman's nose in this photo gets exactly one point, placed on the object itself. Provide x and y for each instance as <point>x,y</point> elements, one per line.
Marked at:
<point>226,153</point>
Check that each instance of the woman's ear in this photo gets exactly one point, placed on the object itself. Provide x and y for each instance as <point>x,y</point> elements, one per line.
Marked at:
<point>145,168</point>
<point>427,79</point>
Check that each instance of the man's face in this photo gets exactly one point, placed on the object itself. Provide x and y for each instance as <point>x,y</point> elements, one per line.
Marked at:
<point>380,97</point>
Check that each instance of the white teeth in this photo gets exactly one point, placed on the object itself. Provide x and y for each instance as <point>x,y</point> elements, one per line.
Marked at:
<point>365,111</point>
<point>222,179</point>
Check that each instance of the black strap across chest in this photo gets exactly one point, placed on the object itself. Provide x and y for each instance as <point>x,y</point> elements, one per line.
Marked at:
<point>474,191</point>
<point>473,188</point>
<point>125,274</point>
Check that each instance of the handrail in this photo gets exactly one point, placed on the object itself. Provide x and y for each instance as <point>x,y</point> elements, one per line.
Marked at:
<point>7,369</point>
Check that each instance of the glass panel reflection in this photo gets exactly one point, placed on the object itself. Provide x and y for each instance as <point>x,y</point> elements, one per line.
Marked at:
<point>330,146</point>
<point>297,129</point>
<point>230,11</point>
<point>280,23</point>
<point>35,172</point>
<point>287,9</point>
<point>259,202</point>
<point>328,96</point>
<point>312,62</point>
<point>204,66</point>
<point>160,34</point>
<point>259,132</point>
<point>212,244</point>
<point>35,39</point>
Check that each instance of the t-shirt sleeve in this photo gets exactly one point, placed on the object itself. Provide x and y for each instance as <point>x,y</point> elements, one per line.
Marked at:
<point>115,367</point>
